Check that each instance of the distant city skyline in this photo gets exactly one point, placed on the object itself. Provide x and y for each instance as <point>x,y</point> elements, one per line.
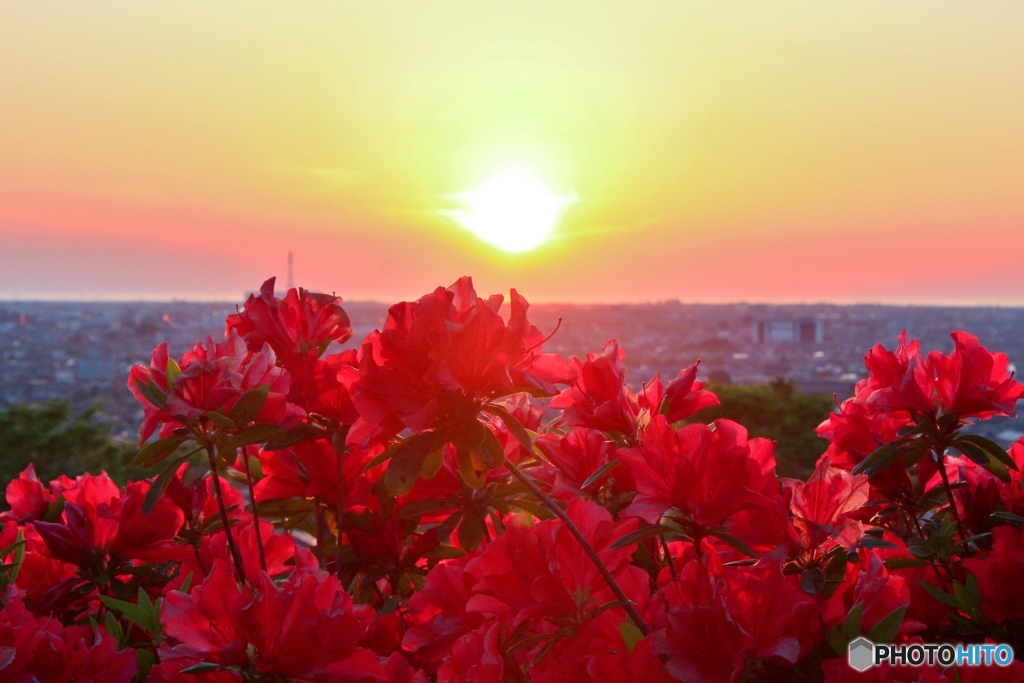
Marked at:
<point>577,151</point>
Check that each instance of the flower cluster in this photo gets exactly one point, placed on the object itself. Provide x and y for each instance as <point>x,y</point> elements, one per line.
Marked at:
<point>445,502</point>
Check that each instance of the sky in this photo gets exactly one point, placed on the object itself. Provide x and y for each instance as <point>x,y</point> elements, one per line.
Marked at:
<point>700,151</point>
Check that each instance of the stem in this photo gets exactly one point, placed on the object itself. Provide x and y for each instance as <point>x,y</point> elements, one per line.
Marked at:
<point>319,532</point>
<point>340,515</point>
<point>587,548</point>
<point>236,556</point>
<point>934,563</point>
<point>668,556</point>
<point>941,460</point>
<point>255,514</point>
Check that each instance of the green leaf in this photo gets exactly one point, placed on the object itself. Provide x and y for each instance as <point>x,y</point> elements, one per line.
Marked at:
<point>445,552</point>
<point>992,448</point>
<point>134,613</point>
<point>835,573</point>
<point>154,453</point>
<point>159,485</point>
<point>599,472</point>
<point>407,462</point>
<point>903,563</point>
<point>152,393</point>
<point>201,668</point>
<point>631,635</point>
<point>261,433</point>
<point>491,450</point>
<point>173,370</point>
<point>249,405</point>
<point>642,534</point>
<point>219,419</point>
<point>303,432</point>
<point>471,532</point>
<point>812,581</point>
<point>195,473</point>
<point>881,458</point>
<point>734,542</point>
<point>872,542</point>
<point>1008,517</point>
<point>939,594</point>
<point>887,627</point>
<point>472,468</point>
<point>851,627</point>
<point>514,426</point>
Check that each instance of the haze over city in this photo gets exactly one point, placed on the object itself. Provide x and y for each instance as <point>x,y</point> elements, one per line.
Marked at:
<point>580,152</point>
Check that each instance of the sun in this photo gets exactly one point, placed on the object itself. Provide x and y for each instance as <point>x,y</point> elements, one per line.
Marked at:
<point>513,210</point>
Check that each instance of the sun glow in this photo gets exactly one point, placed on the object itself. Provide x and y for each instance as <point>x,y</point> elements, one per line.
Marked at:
<point>512,210</point>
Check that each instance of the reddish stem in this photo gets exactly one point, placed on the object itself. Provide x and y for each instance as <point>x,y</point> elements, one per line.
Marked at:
<point>236,556</point>
<point>630,608</point>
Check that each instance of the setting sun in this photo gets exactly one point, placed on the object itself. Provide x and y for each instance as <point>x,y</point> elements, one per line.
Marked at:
<point>512,210</point>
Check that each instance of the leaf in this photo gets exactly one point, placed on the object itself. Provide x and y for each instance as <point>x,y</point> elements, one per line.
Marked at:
<point>490,449</point>
<point>881,458</point>
<point>851,626</point>
<point>201,668</point>
<point>514,426</point>
<point>195,473</point>
<point>812,581</point>
<point>155,453</point>
<point>600,472</point>
<point>218,418</point>
<point>445,552</point>
<point>261,433</point>
<point>939,594</point>
<point>471,532</point>
<point>733,542</point>
<point>154,394</point>
<point>835,572</point>
<point>249,405</point>
<point>432,463</point>
<point>1008,517</point>
<point>135,613</point>
<point>303,432</point>
<point>872,542</point>
<point>903,563</point>
<point>159,485</point>
<point>631,635</point>
<point>173,370</point>
<point>887,627</point>
<point>992,448</point>
<point>472,468</point>
<point>642,534</point>
<point>407,462</point>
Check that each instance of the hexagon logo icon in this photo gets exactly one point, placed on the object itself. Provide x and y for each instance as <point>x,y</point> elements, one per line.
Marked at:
<point>861,655</point>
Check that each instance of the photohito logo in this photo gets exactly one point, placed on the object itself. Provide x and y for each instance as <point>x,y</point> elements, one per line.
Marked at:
<point>863,654</point>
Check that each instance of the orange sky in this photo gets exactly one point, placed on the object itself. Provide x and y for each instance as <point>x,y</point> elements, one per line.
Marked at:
<point>716,151</point>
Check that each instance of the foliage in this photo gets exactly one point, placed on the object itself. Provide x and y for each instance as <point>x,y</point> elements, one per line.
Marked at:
<point>398,512</point>
<point>779,412</point>
<point>58,442</point>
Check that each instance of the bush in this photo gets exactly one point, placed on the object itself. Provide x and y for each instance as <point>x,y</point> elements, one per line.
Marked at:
<point>398,512</point>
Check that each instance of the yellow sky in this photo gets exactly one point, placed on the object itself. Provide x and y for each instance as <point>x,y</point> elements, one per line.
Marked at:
<point>718,151</point>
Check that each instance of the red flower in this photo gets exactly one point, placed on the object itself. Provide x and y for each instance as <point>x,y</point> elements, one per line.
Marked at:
<point>577,455</point>
<point>683,396</point>
<point>211,377</point>
<point>710,474</point>
<point>719,619</point>
<point>309,469</point>
<point>299,328</point>
<point>1000,575</point>
<point>871,585</point>
<point>443,355</point>
<point>823,507</point>
<point>40,649</point>
<point>109,534</point>
<point>28,499</point>
<point>307,628</point>
<point>599,398</point>
<point>971,381</point>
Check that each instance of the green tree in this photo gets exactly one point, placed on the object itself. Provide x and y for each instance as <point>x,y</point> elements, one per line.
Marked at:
<point>57,442</point>
<point>779,412</point>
